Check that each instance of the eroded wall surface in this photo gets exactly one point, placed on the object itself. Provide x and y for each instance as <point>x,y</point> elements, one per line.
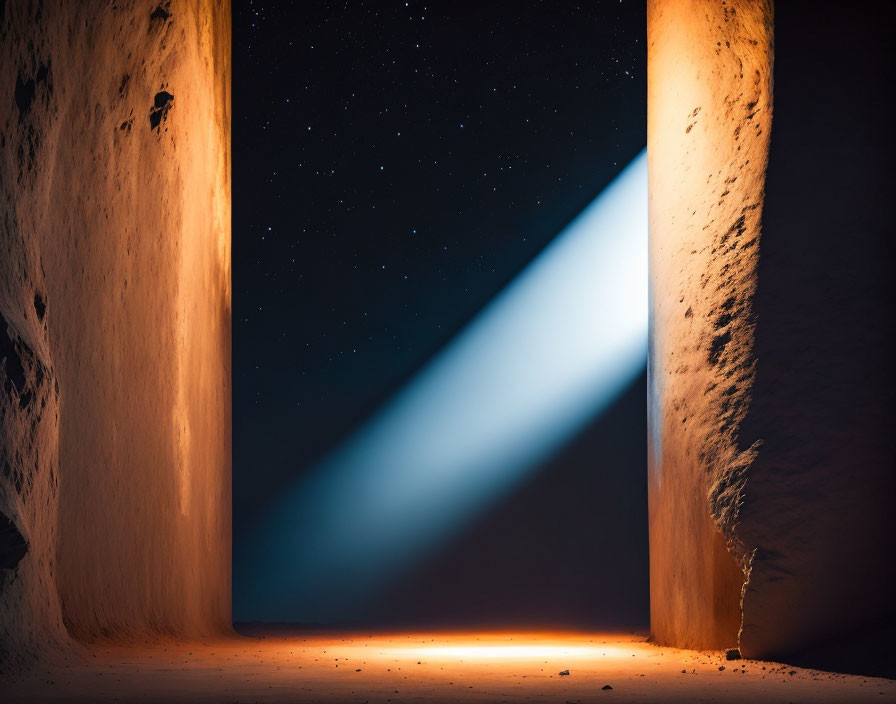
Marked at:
<point>709,113</point>
<point>115,296</point>
<point>771,459</point>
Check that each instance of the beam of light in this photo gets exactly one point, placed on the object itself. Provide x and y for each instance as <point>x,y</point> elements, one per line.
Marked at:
<point>537,364</point>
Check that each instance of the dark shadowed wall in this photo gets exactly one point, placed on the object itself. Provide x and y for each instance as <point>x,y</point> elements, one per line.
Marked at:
<point>819,499</point>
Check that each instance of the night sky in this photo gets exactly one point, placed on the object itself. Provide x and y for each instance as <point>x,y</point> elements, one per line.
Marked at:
<point>396,164</point>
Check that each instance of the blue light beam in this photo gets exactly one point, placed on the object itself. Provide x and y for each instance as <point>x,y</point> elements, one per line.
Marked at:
<point>547,355</point>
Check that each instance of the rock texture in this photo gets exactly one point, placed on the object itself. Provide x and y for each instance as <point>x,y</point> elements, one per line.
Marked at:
<point>771,462</point>
<point>115,328</point>
<point>709,114</point>
<point>30,613</point>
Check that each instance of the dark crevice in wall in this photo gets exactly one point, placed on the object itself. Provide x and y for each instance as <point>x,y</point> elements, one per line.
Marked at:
<point>161,13</point>
<point>10,360</point>
<point>13,546</point>
<point>159,111</point>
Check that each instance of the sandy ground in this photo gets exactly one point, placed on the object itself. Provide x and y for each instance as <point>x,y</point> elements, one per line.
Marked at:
<point>432,667</point>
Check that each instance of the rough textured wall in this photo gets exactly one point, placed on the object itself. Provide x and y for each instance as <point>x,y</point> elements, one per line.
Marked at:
<point>115,296</point>
<point>30,616</point>
<point>771,390</point>
<point>709,113</point>
<point>818,506</point>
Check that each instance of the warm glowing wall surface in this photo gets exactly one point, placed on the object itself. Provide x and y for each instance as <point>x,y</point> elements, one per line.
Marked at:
<point>770,378</point>
<point>115,291</point>
<point>709,110</point>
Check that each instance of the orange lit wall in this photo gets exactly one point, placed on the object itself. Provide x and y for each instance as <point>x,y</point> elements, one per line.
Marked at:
<point>115,271</point>
<point>771,459</point>
<point>709,113</point>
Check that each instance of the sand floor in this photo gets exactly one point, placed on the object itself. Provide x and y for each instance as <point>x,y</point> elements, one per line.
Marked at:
<point>435,667</point>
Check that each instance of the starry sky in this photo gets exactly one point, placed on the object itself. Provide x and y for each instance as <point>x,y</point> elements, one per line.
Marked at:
<point>395,165</point>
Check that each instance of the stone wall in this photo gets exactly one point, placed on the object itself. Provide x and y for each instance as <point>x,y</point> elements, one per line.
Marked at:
<point>709,113</point>
<point>770,386</point>
<point>115,337</point>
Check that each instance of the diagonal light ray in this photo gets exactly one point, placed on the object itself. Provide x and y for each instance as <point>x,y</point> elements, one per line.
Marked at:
<point>548,354</point>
